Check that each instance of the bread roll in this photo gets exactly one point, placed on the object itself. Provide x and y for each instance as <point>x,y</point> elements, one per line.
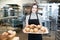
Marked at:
<point>27,26</point>
<point>39,26</point>
<point>5,33</point>
<point>27,29</point>
<point>43,29</point>
<point>31,30</point>
<point>35,30</point>
<point>32,26</point>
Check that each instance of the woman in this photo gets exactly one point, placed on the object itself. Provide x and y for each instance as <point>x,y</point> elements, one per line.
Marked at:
<point>34,18</point>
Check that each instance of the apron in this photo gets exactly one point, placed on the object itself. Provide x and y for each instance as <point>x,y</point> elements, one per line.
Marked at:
<point>34,36</point>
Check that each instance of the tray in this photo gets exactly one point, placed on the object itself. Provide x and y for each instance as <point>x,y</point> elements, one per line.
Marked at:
<point>39,32</point>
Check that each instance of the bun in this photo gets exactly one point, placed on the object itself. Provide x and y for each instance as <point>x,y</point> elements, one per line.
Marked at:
<point>39,26</point>
<point>32,26</point>
<point>27,29</point>
<point>28,26</point>
<point>31,30</point>
<point>35,29</point>
<point>43,29</point>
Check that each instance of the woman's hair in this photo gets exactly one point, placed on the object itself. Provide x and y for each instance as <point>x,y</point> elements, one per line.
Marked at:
<point>32,7</point>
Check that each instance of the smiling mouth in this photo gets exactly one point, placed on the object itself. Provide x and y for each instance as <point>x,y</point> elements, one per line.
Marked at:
<point>33,10</point>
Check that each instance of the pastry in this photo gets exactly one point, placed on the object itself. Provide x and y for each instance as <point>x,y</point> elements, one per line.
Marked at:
<point>39,26</point>
<point>43,29</point>
<point>27,29</point>
<point>31,30</point>
<point>35,30</point>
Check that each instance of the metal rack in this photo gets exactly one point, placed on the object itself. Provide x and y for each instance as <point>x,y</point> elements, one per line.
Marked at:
<point>57,33</point>
<point>57,36</point>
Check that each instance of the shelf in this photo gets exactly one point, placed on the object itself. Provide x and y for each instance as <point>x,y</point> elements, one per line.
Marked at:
<point>58,20</point>
<point>58,27</point>
<point>8,17</point>
<point>57,35</point>
<point>57,38</point>
<point>58,15</point>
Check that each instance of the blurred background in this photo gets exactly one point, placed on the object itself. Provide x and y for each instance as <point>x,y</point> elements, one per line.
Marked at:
<point>13,14</point>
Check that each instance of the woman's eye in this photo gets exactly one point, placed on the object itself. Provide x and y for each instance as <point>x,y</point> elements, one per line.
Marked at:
<point>34,8</point>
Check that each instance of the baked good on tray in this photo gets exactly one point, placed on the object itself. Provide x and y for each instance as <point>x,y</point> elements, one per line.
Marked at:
<point>34,29</point>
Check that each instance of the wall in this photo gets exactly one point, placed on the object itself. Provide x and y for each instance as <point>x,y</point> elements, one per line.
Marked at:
<point>19,2</point>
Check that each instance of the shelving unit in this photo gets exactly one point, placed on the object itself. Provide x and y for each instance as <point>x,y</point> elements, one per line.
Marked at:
<point>58,25</point>
<point>57,36</point>
<point>57,33</point>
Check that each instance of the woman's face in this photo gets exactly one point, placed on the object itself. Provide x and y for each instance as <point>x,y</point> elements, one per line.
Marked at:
<point>34,9</point>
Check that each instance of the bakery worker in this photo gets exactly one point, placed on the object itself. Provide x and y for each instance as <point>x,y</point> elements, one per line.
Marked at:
<point>34,18</point>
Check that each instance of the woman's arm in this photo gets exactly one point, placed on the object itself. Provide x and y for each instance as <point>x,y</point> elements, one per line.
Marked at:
<point>40,19</point>
<point>27,18</point>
